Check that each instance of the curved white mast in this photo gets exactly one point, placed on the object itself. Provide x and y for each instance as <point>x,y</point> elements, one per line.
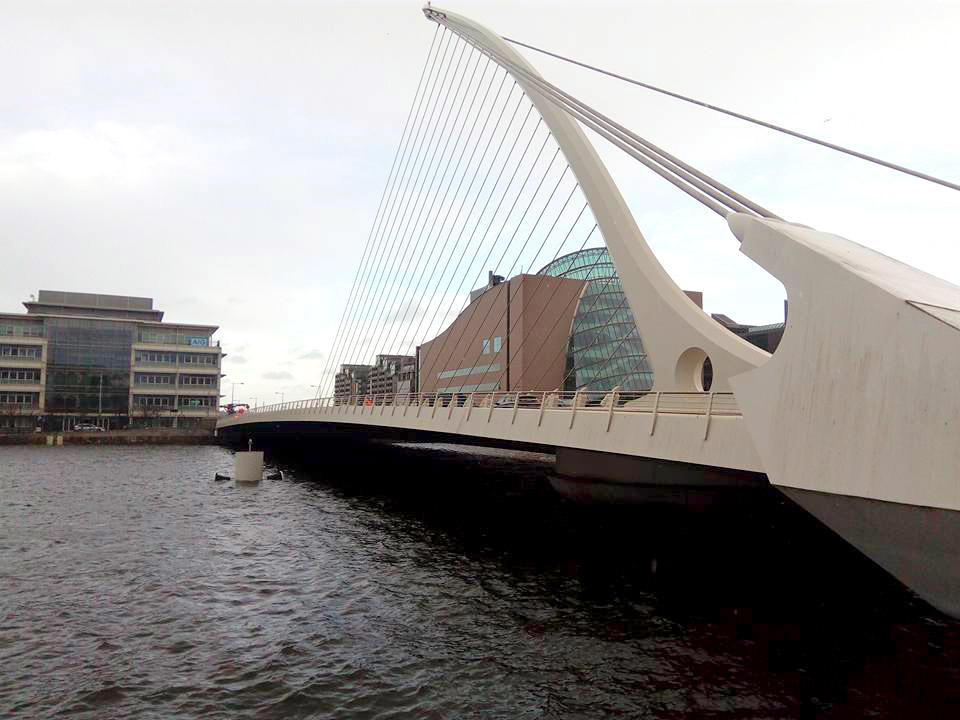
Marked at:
<point>676,334</point>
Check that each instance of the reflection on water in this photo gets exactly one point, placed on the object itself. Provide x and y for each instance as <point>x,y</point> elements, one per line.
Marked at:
<point>396,583</point>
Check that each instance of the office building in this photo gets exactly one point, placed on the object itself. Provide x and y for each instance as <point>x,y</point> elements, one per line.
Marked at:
<point>107,359</point>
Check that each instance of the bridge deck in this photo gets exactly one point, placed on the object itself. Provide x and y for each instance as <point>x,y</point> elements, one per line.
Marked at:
<point>700,428</point>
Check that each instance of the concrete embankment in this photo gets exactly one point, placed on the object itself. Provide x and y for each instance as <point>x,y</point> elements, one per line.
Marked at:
<point>159,436</point>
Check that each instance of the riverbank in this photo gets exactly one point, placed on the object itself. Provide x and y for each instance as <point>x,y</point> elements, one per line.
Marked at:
<point>146,436</point>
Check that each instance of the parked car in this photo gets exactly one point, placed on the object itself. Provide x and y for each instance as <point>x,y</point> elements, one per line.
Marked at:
<point>87,427</point>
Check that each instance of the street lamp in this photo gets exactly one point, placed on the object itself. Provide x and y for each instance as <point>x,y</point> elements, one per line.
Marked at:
<point>318,390</point>
<point>281,396</point>
<point>254,403</point>
<point>233,387</point>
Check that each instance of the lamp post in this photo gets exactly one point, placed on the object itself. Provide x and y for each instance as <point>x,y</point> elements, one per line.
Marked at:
<point>233,387</point>
<point>318,390</point>
<point>281,396</point>
<point>254,403</point>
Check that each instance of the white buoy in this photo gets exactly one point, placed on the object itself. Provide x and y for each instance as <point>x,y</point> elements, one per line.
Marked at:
<point>248,467</point>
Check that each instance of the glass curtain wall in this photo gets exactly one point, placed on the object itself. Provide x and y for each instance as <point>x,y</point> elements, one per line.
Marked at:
<point>88,366</point>
<point>605,349</point>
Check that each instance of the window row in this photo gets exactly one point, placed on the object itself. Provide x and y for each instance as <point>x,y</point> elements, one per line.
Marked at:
<point>149,356</point>
<point>146,379</point>
<point>19,398</point>
<point>208,380</point>
<point>199,359</point>
<point>24,330</point>
<point>21,376</point>
<point>170,358</point>
<point>171,401</point>
<point>30,351</point>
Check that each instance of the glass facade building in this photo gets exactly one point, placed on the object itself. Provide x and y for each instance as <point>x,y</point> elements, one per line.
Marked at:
<point>88,365</point>
<point>605,349</point>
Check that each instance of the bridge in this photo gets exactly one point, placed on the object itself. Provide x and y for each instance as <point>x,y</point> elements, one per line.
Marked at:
<point>855,416</point>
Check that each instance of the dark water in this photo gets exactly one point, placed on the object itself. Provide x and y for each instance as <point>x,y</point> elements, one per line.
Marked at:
<point>399,584</point>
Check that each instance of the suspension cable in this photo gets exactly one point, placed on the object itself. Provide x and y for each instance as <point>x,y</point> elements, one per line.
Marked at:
<point>411,158</point>
<point>401,147</point>
<point>427,162</point>
<point>496,210</point>
<point>499,233</point>
<point>514,352</point>
<point>698,185</point>
<point>746,118</point>
<point>405,339</point>
<point>409,266</point>
<point>492,305</point>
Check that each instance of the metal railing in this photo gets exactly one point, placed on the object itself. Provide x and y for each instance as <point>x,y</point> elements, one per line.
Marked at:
<point>441,405</point>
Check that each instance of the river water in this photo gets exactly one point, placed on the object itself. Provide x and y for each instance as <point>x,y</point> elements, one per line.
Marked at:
<point>402,583</point>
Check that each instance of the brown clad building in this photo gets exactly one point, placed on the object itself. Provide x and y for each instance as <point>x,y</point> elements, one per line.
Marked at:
<point>513,335</point>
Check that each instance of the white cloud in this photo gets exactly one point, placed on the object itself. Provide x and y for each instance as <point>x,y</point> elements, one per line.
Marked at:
<point>106,152</point>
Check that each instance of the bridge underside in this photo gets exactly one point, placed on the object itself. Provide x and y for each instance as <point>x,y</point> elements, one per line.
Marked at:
<point>583,475</point>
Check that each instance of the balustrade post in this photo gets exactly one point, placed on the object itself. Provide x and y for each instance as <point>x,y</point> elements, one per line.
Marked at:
<point>613,403</point>
<point>656,408</point>
<point>706,427</point>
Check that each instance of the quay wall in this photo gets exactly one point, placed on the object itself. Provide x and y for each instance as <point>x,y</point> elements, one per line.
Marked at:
<point>154,436</point>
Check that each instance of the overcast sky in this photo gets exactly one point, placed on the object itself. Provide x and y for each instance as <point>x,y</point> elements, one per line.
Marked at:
<point>227,158</point>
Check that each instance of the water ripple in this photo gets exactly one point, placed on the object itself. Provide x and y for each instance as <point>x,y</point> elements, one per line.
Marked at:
<point>399,585</point>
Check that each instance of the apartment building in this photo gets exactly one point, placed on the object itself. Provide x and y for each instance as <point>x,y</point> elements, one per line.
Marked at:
<point>352,380</point>
<point>107,359</point>
<point>393,374</point>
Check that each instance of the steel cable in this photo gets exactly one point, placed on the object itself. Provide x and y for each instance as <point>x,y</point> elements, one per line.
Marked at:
<point>747,118</point>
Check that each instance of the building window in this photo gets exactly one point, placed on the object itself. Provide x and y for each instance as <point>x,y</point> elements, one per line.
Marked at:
<point>497,343</point>
<point>486,346</point>
<point>196,402</point>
